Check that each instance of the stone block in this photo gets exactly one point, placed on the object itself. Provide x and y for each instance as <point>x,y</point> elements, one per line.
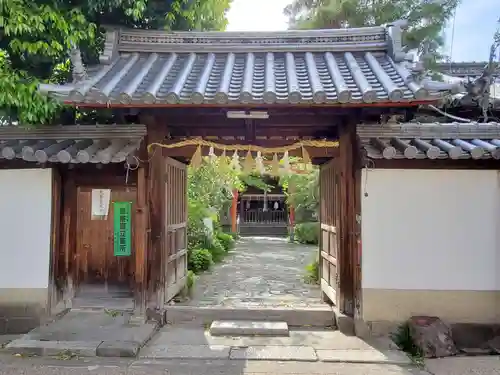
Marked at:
<point>248,328</point>
<point>118,349</point>
<point>53,348</point>
<point>275,353</point>
<point>392,357</point>
<point>344,323</point>
<point>432,336</point>
<point>202,352</point>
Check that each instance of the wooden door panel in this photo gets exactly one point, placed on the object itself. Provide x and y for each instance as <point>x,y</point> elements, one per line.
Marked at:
<point>329,240</point>
<point>175,228</point>
<point>95,259</point>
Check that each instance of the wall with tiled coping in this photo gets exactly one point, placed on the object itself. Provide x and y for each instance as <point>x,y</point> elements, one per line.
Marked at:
<point>431,244</point>
<point>25,228</point>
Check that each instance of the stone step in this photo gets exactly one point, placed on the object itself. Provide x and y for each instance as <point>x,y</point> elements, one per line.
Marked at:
<point>248,328</point>
<point>317,316</point>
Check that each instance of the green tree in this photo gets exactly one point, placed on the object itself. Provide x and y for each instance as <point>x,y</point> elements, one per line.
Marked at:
<point>37,36</point>
<point>426,18</point>
<point>302,192</point>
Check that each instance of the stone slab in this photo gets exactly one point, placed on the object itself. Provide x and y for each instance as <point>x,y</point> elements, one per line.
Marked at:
<point>248,328</point>
<point>5,339</point>
<point>53,348</point>
<point>392,357</point>
<point>275,353</point>
<point>202,352</point>
<point>489,365</point>
<point>118,349</point>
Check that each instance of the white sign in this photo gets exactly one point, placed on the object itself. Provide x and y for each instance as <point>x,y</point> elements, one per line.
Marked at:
<point>100,203</point>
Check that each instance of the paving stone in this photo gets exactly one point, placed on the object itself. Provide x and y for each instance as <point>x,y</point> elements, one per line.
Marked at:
<point>364,356</point>
<point>275,353</point>
<point>259,272</point>
<point>53,348</point>
<point>489,365</point>
<point>186,352</point>
<point>118,349</point>
<point>247,328</point>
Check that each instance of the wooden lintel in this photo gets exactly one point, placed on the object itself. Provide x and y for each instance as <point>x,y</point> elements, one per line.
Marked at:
<point>222,121</point>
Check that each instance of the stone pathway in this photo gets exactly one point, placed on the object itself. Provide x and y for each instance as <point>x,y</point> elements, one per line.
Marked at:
<point>259,272</point>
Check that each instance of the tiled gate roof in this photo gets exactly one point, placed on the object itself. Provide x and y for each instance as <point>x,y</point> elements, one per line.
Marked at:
<point>364,65</point>
<point>71,144</point>
<point>431,141</point>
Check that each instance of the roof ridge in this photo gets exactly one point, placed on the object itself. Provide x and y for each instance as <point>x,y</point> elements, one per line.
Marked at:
<point>375,38</point>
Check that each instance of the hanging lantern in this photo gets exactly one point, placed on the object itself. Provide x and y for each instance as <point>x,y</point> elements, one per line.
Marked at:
<point>196,159</point>
<point>275,166</point>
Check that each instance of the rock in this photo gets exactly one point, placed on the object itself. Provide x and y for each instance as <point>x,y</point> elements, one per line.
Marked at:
<point>433,336</point>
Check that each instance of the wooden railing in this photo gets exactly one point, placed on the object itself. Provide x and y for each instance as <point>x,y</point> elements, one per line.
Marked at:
<point>264,217</point>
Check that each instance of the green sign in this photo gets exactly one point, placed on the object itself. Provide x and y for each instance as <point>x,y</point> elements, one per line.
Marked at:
<point>122,228</point>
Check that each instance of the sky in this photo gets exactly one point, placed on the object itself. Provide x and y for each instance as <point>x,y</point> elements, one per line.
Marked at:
<point>475,24</point>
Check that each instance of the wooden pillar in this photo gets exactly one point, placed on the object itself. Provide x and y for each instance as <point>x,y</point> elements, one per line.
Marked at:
<point>234,212</point>
<point>348,239</point>
<point>242,210</point>
<point>141,242</point>
<point>68,237</point>
<point>155,215</point>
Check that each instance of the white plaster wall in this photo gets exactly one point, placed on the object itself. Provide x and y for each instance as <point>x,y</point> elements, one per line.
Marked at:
<point>430,229</point>
<point>25,227</point>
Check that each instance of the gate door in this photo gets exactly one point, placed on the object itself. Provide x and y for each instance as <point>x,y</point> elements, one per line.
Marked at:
<point>175,227</point>
<point>329,226</point>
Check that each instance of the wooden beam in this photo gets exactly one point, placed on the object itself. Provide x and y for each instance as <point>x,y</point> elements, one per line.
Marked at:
<point>288,131</point>
<point>188,151</point>
<point>221,121</point>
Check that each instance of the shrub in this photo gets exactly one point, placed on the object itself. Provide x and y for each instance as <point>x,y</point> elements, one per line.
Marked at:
<point>217,250</point>
<point>226,240</point>
<point>404,340</point>
<point>191,280</point>
<point>199,260</point>
<point>312,273</point>
<point>307,233</point>
<point>235,236</point>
